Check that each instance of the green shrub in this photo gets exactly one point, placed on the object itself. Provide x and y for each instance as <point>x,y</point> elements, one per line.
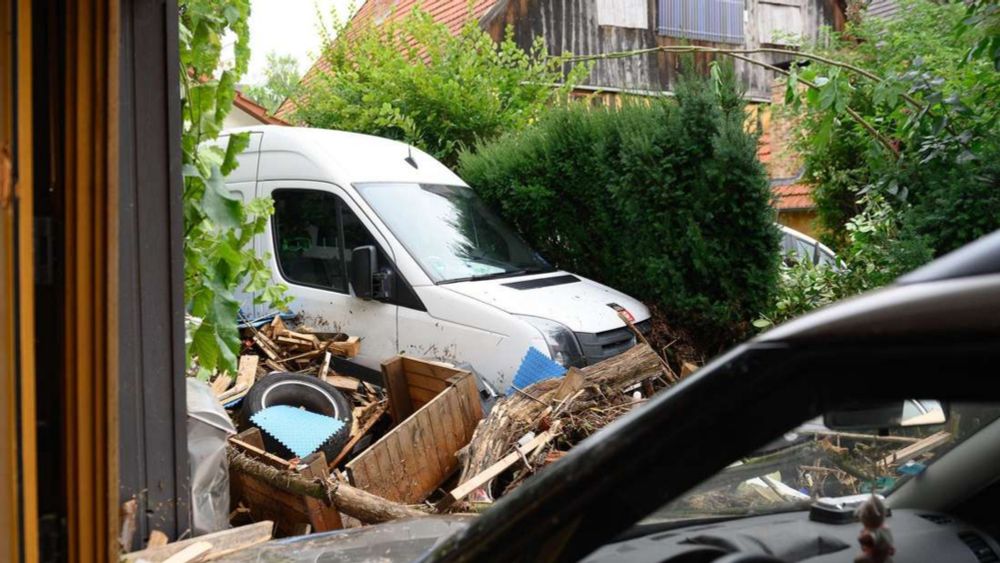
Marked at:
<point>662,199</point>
<point>413,80</point>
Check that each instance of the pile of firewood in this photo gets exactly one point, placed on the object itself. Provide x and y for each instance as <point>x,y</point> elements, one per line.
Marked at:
<point>300,351</point>
<point>276,348</point>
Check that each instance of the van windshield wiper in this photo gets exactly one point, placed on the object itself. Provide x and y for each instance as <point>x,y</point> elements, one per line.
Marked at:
<point>494,275</point>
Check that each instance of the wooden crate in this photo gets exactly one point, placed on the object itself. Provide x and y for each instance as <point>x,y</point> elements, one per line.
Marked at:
<point>291,513</point>
<point>412,383</point>
<point>414,458</point>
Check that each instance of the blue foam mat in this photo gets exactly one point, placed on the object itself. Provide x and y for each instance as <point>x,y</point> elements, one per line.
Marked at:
<point>299,430</point>
<point>535,367</point>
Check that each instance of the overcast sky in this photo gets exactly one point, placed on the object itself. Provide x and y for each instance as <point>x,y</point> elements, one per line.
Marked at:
<point>288,27</point>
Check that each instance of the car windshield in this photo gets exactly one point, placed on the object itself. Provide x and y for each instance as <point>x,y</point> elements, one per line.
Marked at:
<point>450,232</point>
<point>813,462</point>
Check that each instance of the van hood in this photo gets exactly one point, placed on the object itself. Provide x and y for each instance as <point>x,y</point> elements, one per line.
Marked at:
<point>580,304</point>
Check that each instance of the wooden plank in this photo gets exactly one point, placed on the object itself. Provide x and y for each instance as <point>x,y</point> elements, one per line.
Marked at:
<point>483,477</point>
<point>349,384</point>
<point>265,501</point>
<point>221,383</point>
<point>222,543</point>
<point>251,436</point>
<point>193,552</point>
<point>427,383</point>
<point>348,348</point>
<point>400,405</point>
<point>323,517</point>
<point>407,464</point>
<point>157,539</point>
<point>259,453</point>
<point>917,448</point>
<point>245,378</point>
<point>418,367</point>
<point>420,397</point>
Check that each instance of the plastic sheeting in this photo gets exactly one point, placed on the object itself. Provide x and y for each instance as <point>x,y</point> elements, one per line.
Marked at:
<point>208,427</point>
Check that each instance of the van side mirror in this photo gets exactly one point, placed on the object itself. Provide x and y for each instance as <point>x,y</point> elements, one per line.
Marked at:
<point>364,262</point>
<point>367,279</point>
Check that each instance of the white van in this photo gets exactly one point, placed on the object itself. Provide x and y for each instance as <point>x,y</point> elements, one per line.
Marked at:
<point>378,239</point>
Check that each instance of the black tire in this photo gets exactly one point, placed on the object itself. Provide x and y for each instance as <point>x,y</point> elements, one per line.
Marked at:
<point>304,391</point>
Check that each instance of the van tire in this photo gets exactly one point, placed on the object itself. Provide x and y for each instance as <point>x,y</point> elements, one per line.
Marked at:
<point>303,391</point>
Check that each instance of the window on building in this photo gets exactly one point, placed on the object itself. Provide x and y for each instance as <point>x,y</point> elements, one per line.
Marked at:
<point>623,13</point>
<point>719,21</point>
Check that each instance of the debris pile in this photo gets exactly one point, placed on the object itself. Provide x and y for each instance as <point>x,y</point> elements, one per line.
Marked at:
<point>537,425</point>
<point>418,444</point>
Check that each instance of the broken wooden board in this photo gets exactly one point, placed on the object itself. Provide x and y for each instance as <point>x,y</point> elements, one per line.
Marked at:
<point>411,383</point>
<point>484,477</point>
<point>288,510</point>
<point>414,458</point>
<point>245,378</point>
<point>221,544</point>
<point>347,348</point>
<point>363,429</point>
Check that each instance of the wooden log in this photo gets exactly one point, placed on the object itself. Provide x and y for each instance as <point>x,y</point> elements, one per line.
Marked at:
<point>362,505</point>
<point>513,416</point>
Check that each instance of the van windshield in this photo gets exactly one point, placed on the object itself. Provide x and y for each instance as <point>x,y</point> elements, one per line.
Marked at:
<point>450,232</point>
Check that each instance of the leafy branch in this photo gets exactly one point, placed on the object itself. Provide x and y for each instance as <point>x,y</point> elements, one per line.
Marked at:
<point>219,227</point>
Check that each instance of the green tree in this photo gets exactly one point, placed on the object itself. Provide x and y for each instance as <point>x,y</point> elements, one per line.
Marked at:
<point>281,79</point>
<point>412,80</point>
<point>935,104</point>
<point>661,198</point>
<point>218,226</point>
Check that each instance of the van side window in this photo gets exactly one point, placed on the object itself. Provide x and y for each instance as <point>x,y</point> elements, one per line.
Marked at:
<point>355,235</point>
<point>307,238</point>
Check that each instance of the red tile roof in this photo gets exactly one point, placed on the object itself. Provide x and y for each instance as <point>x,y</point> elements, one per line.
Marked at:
<point>453,13</point>
<point>796,196</point>
<point>793,197</point>
<point>256,110</point>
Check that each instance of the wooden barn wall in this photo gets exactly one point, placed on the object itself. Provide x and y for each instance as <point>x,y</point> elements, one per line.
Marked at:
<point>570,26</point>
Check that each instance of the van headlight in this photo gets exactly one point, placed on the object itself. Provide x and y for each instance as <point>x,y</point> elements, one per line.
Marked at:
<point>562,343</point>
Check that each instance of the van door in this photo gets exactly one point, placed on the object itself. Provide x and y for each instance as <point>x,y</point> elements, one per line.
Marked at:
<point>309,239</point>
<point>242,182</point>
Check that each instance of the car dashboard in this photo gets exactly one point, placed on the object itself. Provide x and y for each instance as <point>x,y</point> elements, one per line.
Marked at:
<point>919,536</point>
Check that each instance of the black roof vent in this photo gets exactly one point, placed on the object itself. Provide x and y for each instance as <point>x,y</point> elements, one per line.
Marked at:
<point>982,550</point>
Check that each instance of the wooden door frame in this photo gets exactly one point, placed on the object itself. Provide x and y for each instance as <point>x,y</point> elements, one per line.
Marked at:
<point>20,541</point>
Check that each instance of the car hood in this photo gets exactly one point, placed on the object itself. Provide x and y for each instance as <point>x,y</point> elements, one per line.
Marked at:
<point>399,540</point>
<point>580,304</point>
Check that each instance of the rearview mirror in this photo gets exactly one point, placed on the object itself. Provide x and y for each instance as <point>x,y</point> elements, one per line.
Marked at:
<point>364,264</point>
<point>908,413</point>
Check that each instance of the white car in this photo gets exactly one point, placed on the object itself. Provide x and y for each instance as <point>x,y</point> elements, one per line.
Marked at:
<point>378,239</point>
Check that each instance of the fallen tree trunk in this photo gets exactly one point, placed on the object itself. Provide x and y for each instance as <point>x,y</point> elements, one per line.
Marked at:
<point>366,507</point>
<point>513,416</point>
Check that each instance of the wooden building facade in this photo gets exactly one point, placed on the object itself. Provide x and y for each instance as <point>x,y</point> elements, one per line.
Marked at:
<point>591,27</point>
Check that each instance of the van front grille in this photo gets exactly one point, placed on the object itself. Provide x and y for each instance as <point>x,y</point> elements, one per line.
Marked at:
<point>602,345</point>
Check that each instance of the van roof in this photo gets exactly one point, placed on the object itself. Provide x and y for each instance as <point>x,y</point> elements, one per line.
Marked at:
<point>304,153</point>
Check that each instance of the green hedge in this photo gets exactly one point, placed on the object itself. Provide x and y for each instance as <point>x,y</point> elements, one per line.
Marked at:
<point>663,199</point>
